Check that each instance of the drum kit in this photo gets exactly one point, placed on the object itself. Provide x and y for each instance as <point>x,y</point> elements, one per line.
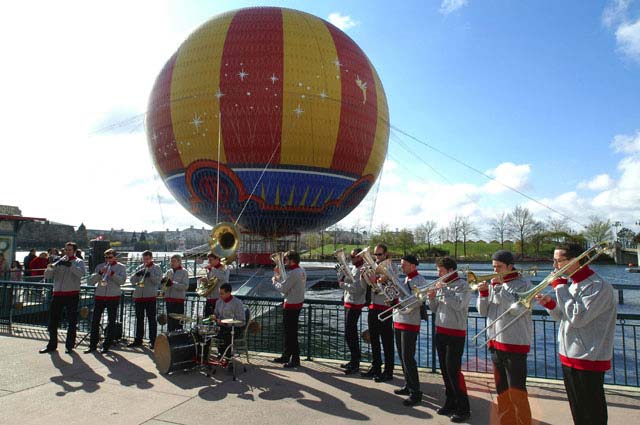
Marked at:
<point>186,349</point>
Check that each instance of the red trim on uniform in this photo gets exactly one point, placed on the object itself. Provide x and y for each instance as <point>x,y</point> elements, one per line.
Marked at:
<point>484,293</point>
<point>177,268</point>
<point>252,118</point>
<point>381,307</point>
<point>65,293</point>
<point>211,300</point>
<point>107,298</point>
<point>451,278</point>
<point>406,327</point>
<point>353,306</point>
<point>174,300</point>
<point>358,120</point>
<point>550,305</point>
<point>292,306</point>
<point>359,264</point>
<point>559,281</point>
<point>461,383</point>
<point>509,348</point>
<point>581,364</point>
<point>218,266</point>
<point>113,263</point>
<point>294,266</point>
<point>449,331</point>
<point>144,300</point>
<point>228,300</point>
<point>412,274</point>
<point>582,274</point>
<point>73,257</point>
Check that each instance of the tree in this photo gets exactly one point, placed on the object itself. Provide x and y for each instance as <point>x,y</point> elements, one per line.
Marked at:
<point>425,232</point>
<point>626,236</point>
<point>467,229</point>
<point>597,230</point>
<point>558,225</point>
<point>499,228</point>
<point>404,238</point>
<point>521,225</point>
<point>455,228</point>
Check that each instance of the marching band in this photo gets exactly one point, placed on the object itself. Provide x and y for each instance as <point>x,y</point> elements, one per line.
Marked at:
<point>584,307</point>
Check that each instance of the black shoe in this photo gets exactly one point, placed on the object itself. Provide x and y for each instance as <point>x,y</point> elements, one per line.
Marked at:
<point>353,369</point>
<point>413,399</point>
<point>69,351</point>
<point>151,345</point>
<point>135,344</point>
<point>460,417</point>
<point>384,377</point>
<point>90,350</point>
<point>371,373</point>
<point>291,364</point>
<point>46,350</point>
<point>104,350</point>
<point>280,359</point>
<point>402,391</point>
<point>345,365</point>
<point>445,411</point>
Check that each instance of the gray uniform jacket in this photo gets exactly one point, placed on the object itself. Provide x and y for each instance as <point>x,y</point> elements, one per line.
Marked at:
<point>66,280</point>
<point>587,313</point>
<point>354,293</point>
<point>491,304</point>
<point>451,308</point>
<point>293,287</point>
<point>151,282</point>
<point>232,309</point>
<point>114,277</point>
<point>223,275</point>
<point>177,291</point>
<point>409,320</point>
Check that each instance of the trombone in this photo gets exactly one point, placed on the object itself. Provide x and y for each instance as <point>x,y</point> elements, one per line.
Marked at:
<point>474,280</point>
<point>418,297</point>
<point>525,299</point>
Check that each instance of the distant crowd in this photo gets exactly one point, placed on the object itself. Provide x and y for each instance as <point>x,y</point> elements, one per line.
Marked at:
<point>32,267</point>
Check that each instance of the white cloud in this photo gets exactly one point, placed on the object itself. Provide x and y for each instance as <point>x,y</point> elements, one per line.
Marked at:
<point>627,31</point>
<point>599,182</point>
<point>615,12</point>
<point>627,144</point>
<point>450,6</point>
<point>509,174</point>
<point>344,22</point>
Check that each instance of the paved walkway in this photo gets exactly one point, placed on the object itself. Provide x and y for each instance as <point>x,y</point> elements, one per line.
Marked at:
<point>125,387</point>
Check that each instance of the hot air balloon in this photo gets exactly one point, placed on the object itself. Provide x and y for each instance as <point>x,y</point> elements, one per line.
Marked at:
<point>271,118</point>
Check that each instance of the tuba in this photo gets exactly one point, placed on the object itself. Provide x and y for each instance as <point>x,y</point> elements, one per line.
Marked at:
<point>369,272</point>
<point>206,286</point>
<point>278,259</point>
<point>395,285</point>
<point>224,241</point>
<point>342,267</point>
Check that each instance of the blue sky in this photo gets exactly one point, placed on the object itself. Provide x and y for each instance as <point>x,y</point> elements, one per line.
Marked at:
<point>543,95</point>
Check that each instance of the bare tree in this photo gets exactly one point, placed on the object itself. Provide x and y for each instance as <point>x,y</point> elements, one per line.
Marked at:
<point>597,230</point>
<point>467,229</point>
<point>521,225</point>
<point>455,228</point>
<point>425,232</point>
<point>443,234</point>
<point>499,228</point>
<point>558,225</point>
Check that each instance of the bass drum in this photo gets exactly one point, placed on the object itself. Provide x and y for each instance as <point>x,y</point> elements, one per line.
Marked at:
<point>178,350</point>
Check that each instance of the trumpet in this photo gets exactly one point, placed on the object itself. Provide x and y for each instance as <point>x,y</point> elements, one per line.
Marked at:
<point>525,298</point>
<point>104,276</point>
<point>59,260</point>
<point>164,283</point>
<point>342,267</point>
<point>140,283</point>
<point>418,297</point>
<point>278,259</point>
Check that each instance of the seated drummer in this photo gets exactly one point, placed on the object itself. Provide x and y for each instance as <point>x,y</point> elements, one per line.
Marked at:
<point>227,307</point>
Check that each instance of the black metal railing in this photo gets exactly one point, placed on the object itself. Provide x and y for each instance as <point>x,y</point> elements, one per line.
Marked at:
<point>322,330</point>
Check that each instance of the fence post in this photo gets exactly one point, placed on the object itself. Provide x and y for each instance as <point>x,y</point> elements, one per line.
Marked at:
<point>309,321</point>
<point>433,342</point>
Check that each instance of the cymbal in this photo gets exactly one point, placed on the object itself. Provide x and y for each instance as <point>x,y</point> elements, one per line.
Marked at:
<point>231,322</point>
<point>181,317</point>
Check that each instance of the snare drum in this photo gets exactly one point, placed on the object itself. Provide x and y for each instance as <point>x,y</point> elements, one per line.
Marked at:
<point>210,330</point>
<point>179,350</point>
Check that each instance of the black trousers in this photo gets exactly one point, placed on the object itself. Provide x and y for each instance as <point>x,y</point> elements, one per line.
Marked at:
<point>70,306</point>
<point>510,375</point>
<point>224,338</point>
<point>208,309</point>
<point>381,331</point>
<point>112,311</point>
<point>585,390</point>
<point>351,317</point>
<point>406,346</point>
<point>291,346</point>
<point>174,324</point>
<point>450,349</point>
<point>148,308</point>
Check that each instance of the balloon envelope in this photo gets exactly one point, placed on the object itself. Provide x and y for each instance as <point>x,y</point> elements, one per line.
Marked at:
<point>269,116</point>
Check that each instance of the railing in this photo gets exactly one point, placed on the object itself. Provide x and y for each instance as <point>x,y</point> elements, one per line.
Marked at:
<point>322,330</point>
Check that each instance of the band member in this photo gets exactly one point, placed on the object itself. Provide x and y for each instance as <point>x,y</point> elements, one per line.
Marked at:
<point>379,330</point>
<point>214,269</point>
<point>66,276</point>
<point>407,328</point>
<point>227,307</point>
<point>108,277</point>
<point>177,282</point>
<point>509,348</point>
<point>449,301</point>
<point>586,310</point>
<point>354,292</point>
<point>146,280</point>
<point>292,289</point>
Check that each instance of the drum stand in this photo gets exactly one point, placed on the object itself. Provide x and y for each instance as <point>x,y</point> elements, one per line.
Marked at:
<point>222,362</point>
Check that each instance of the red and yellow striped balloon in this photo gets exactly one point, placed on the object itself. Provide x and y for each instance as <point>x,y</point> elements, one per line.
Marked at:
<point>269,115</point>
